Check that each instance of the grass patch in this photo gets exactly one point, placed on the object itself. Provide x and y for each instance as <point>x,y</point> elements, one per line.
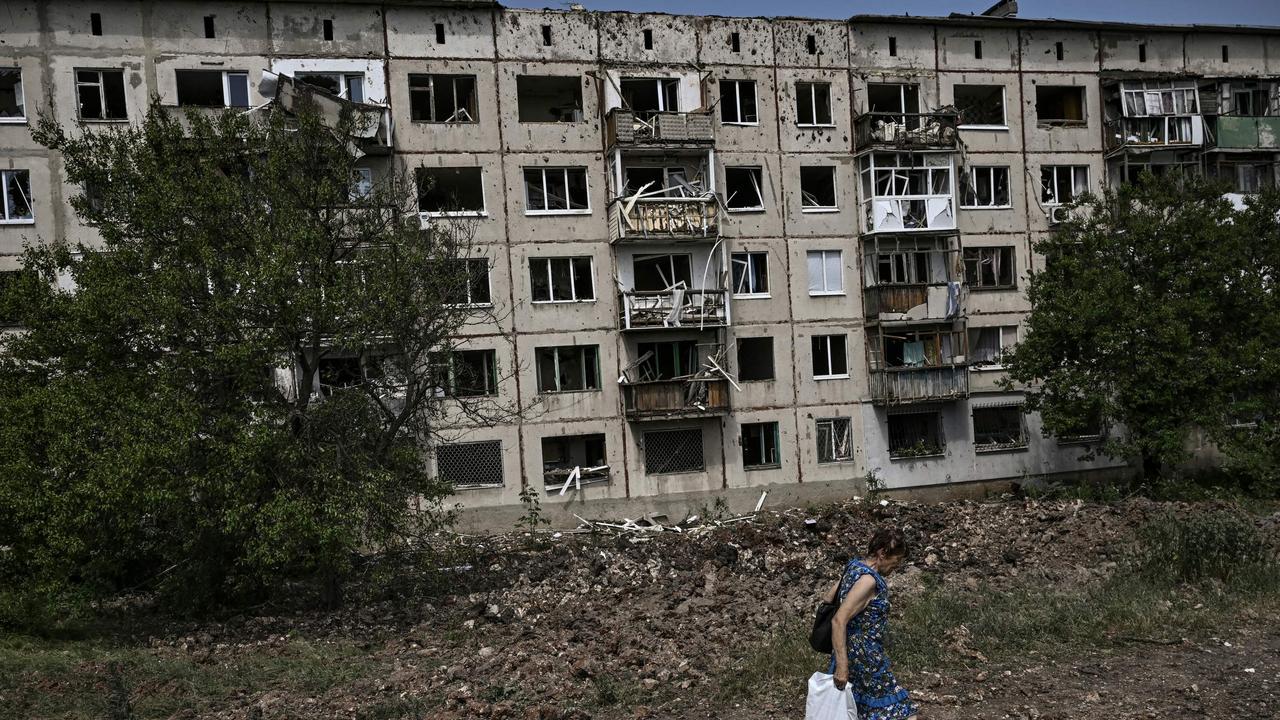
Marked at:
<point>774,663</point>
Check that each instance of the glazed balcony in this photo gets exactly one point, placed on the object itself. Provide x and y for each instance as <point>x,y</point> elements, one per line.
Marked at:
<point>1236,132</point>
<point>905,131</point>
<point>669,399</point>
<point>665,218</point>
<point>624,127</point>
<point>905,385</point>
<point>1154,133</point>
<point>688,309</point>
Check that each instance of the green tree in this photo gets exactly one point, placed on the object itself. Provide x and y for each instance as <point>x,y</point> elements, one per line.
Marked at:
<point>236,392</point>
<point>1149,315</point>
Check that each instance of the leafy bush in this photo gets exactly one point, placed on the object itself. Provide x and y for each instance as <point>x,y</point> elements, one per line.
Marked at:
<point>1221,544</point>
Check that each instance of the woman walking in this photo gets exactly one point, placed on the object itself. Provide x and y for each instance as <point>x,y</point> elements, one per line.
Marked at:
<point>858,631</point>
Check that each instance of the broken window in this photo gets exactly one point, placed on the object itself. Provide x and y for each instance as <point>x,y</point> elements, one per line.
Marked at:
<point>895,99</point>
<point>585,454</point>
<point>760,445</point>
<point>1087,427</point>
<point>818,187</point>
<point>450,190</point>
<point>15,191</point>
<point>657,273</point>
<point>988,345</point>
<point>469,280</point>
<point>989,267</point>
<point>348,86</point>
<point>985,187</point>
<point>835,439</point>
<point>980,105</point>
<point>902,268</point>
<point>12,106</point>
<point>465,373</point>
<point>998,427</point>
<point>338,373</point>
<point>673,451</point>
<point>667,360</point>
<point>916,348</point>
<point>738,102</point>
<point>1160,97</point>
<point>826,272</point>
<point>755,359</point>
<point>750,273</point>
<point>1060,184</point>
<point>648,96</point>
<point>829,357</point>
<point>471,464</point>
<point>569,368</point>
<point>743,188</point>
<point>442,98</point>
<point>813,103</point>
<point>1060,104</point>
<point>556,190</point>
<point>907,191</point>
<point>212,88</point>
<point>915,435</point>
<point>561,279</point>
<point>549,98</point>
<point>100,94</point>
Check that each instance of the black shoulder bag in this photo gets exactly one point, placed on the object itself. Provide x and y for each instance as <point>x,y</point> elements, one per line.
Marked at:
<point>820,635</point>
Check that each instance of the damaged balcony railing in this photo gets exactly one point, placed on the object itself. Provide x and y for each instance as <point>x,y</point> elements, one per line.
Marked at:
<point>373,122</point>
<point>1239,132</point>
<point>629,127</point>
<point>1154,132</point>
<point>684,397</point>
<point>906,131</point>
<point>913,301</point>
<point>896,386</point>
<point>666,217</point>
<point>672,308</point>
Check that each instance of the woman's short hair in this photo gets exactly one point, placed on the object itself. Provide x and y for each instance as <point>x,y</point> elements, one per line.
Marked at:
<point>889,540</point>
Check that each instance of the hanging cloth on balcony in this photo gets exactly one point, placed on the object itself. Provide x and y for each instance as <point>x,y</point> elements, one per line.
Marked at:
<point>953,299</point>
<point>913,354</point>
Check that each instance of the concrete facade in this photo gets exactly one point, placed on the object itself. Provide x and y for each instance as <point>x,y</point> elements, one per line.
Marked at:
<point>817,86</point>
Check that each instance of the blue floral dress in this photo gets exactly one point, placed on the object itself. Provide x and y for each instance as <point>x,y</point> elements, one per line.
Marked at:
<point>875,690</point>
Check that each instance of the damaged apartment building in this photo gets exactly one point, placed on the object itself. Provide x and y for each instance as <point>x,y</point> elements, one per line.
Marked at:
<point>728,253</point>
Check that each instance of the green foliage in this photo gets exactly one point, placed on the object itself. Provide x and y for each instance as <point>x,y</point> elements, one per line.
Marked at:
<point>1222,545</point>
<point>1155,312</point>
<point>532,519</point>
<point>174,424</point>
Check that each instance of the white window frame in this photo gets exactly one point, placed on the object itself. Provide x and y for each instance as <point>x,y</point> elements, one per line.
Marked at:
<point>757,177</point>
<point>345,79</point>
<point>752,258</point>
<point>6,177</point>
<point>1004,107</point>
<point>737,103</point>
<point>834,423</point>
<point>226,87</point>
<point>488,281</point>
<point>582,367</point>
<point>1147,91</point>
<point>484,201</point>
<point>1077,187</point>
<point>19,92</point>
<point>813,104</point>
<point>971,173</point>
<point>1005,344</point>
<point>835,192</point>
<point>825,255</point>
<point>776,434</point>
<point>844,339</point>
<point>573,283</point>
<point>545,190</point>
<point>102,94</point>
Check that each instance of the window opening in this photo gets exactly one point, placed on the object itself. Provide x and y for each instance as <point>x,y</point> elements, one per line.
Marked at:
<point>977,49</point>
<point>1060,104</point>
<point>101,94</point>
<point>1224,54</point>
<point>450,190</point>
<point>738,102</point>
<point>989,267</point>
<point>439,33</point>
<point>988,345</point>
<point>980,105</point>
<point>647,96</point>
<point>15,192</point>
<point>750,273</point>
<point>208,27</point>
<point>907,348</point>
<point>556,190</point>
<point>910,267</point>
<point>818,188</point>
<point>998,428</point>
<point>1057,49</point>
<point>813,103</point>
<point>468,282</point>
<point>470,465</point>
<point>760,445</point>
<point>464,373</point>
<point>328,29</point>
<point>648,39</point>
<point>755,359</point>
<point>212,88</point>
<point>673,451</point>
<point>546,34</point>
<point>659,273</point>
<point>1142,52</point>
<point>561,279</point>
<point>348,86</point>
<point>544,98</point>
<point>443,98</point>
<point>743,188</point>
<point>893,46</point>
<point>826,272</point>
<point>569,368</point>
<point>835,439</point>
<point>735,44</point>
<point>896,99</point>
<point>574,459</point>
<point>811,44</point>
<point>11,101</point>
<point>1060,184</point>
<point>666,360</point>
<point>95,23</point>
<point>915,435</point>
<point>830,358</point>
<point>985,187</point>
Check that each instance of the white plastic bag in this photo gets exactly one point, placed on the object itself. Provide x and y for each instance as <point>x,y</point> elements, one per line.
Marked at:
<point>825,702</point>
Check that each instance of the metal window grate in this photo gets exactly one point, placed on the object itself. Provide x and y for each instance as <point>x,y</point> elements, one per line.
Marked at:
<point>673,451</point>
<point>471,465</point>
<point>835,439</point>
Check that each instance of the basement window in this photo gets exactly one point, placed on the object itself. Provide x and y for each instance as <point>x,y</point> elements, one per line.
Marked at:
<point>451,191</point>
<point>561,279</point>
<point>562,455</point>
<point>830,359</point>
<point>12,106</point>
<point>835,439</point>
<point>100,94</point>
<point>348,86</point>
<point>568,368</point>
<point>750,274</point>
<point>988,345</point>
<point>556,191</point>
<point>755,359</point>
<point>470,465</point>
<point>212,88</point>
<point>738,102</point>
<point>667,452</point>
<point>1060,105</point>
<point>813,104</point>
<point>999,427</point>
<point>546,98</point>
<point>743,189</point>
<point>980,105</point>
<point>442,98</point>
<point>464,373</point>
<point>818,188</point>
<point>760,446</point>
<point>915,435</point>
<point>208,27</point>
<point>15,197</point>
<point>469,282</point>
<point>989,268</point>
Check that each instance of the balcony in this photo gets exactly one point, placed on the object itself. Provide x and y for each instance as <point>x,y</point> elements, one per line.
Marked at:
<point>689,309</point>
<point>905,131</point>
<point>372,125</point>
<point>1154,133</point>
<point>900,386</point>
<point>668,399</point>
<point>628,127</point>
<point>1233,132</point>
<point>915,301</point>
<point>665,218</point>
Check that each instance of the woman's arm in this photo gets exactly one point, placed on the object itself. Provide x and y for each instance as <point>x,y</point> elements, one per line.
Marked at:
<point>854,602</point>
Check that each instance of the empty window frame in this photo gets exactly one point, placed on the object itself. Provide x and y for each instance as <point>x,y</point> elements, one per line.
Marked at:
<point>100,94</point>
<point>902,268</point>
<point>556,191</point>
<point>348,86</point>
<point>442,98</point>
<point>646,96</point>
<point>666,360</point>
<point>1087,428</point>
<point>12,105</point>
<point>830,358</point>
<point>549,98</point>
<point>562,455</point>
<point>1060,104</point>
<point>907,191</point>
<point>470,465</point>
<point>985,186</point>
<point>999,427</point>
<point>989,268</point>
<point>813,104</point>
<point>659,273</point>
<point>988,345</point>
<point>743,188</point>
<point>826,272</point>
<point>915,435</point>
<point>15,197</point>
<point>907,348</point>
<point>835,439</point>
<point>451,191</point>
<point>755,359</point>
<point>760,446</point>
<point>673,451</point>
<point>895,99</point>
<point>339,372</point>
<point>361,184</point>
<point>568,368</point>
<point>212,88</point>
<point>561,279</point>
<point>468,282</point>
<point>818,188</point>
<point>465,373</point>
<point>1160,97</point>
<point>750,274</point>
<point>738,102</point>
<point>980,105</point>
<point>1060,184</point>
